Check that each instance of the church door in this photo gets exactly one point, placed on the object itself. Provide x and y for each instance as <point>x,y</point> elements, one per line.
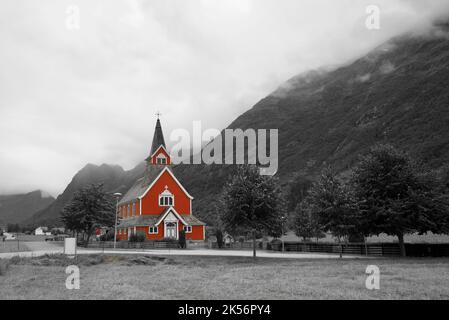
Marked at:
<point>170,230</point>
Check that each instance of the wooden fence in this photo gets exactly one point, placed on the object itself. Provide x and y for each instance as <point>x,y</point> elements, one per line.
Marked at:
<point>370,249</point>
<point>237,245</point>
<point>381,249</point>
<point>135,245</point>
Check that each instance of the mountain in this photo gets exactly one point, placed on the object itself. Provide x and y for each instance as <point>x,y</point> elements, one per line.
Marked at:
<point>397,93</point>
<point>18,207</point>
<point>114,178</point>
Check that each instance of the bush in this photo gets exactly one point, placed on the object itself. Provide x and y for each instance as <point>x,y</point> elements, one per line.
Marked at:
<point>170,240</point>
<point>137,237</point>
<point>275,244</point>
<point>108,236</point>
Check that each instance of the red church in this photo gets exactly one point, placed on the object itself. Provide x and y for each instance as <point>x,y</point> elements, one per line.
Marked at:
<point>157,204</point>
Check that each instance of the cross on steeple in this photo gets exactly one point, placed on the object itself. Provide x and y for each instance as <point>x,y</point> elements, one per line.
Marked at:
<point>158,114</point>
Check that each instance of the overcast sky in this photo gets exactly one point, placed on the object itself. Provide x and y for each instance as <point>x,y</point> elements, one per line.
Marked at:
<point>69,97</point>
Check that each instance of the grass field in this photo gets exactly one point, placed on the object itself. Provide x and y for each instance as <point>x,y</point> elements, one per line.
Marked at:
<point>151,277</point>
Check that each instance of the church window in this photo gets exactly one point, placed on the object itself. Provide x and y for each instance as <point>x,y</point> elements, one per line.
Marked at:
<point>152,230</point>
<point>166,198</point>
<point>161,159</point>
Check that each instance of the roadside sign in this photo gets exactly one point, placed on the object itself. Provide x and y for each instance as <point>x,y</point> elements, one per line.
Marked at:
<point>70,246</point>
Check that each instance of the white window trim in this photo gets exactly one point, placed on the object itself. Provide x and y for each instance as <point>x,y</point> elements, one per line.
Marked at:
<point>188,227</point>
<point>175,213</point>
<point>161,159</point>
<point>157,150</point>
<point>155,230</point>
<point>166,205</point>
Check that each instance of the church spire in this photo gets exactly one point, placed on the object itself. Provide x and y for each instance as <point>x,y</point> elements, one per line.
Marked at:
<point>158,138</point>
<point>158,154</point>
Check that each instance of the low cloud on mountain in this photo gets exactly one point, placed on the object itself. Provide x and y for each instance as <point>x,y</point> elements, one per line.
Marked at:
<point>69,97</point>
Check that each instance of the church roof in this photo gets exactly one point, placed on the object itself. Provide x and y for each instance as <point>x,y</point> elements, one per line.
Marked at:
<point>139,221</point>
<point>151,220</point>
<point>193,221</point>
<point>141,185</point>
<point>158,138</point>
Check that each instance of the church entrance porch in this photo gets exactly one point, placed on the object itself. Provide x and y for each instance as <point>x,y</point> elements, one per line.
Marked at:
<point>171,226</point>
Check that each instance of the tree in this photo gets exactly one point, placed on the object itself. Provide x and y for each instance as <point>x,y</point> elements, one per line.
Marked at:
<point>252,203</point>
<point>397,197</point>
<point>333,204</point>
<point>12,228</point>
<point>108,236</point>
<point>298,191</point>
<point>89,209</point>
<point>306,223</point>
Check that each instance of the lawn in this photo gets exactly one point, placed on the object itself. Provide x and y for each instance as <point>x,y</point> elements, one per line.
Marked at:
<point>152,277</point>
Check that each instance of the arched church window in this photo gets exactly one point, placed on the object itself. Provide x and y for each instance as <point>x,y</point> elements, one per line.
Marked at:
<point>166,198</point>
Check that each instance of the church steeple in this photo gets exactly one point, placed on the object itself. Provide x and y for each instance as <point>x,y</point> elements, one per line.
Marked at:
<point>158,138</point>
<point>158,154</point>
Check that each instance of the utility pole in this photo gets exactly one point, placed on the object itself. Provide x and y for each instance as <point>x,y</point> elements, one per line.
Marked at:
<point>117,196</point>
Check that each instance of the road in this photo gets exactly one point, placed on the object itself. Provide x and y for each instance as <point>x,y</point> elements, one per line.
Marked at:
<point>43,248</point>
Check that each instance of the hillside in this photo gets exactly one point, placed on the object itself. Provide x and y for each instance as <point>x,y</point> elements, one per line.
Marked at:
<point>19,207</point>
<point>114,178</point>
<point>398,93</point>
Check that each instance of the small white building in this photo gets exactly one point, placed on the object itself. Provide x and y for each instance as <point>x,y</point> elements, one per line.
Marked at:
<point>42,231</point>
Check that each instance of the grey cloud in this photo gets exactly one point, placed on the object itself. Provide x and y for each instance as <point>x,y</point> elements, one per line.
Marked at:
<point>72,97</point>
